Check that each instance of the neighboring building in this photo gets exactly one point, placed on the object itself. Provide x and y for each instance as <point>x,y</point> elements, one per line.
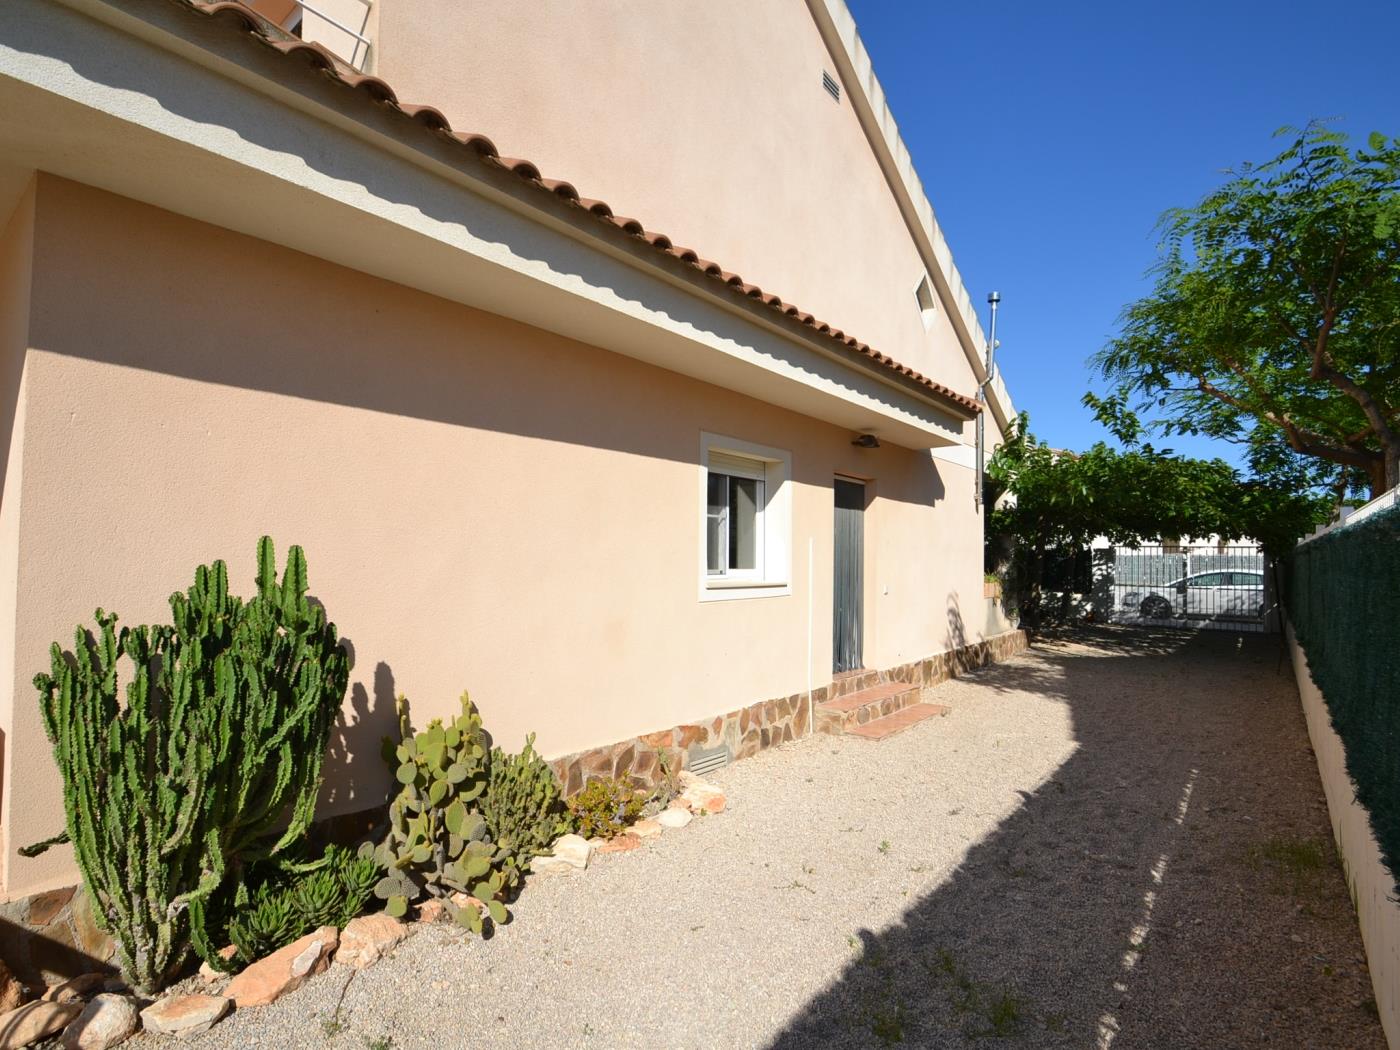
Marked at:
<point>532,448</point>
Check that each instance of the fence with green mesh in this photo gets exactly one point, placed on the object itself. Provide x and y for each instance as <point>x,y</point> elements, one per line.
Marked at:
<point>1343,598</point>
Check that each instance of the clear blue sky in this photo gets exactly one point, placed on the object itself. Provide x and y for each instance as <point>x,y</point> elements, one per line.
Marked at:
<point>1050,138</point>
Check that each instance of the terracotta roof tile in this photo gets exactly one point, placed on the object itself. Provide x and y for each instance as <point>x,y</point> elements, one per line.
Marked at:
<point>431,119</point>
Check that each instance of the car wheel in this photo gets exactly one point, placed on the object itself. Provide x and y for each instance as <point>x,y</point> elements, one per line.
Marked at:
<point>1155,607</point>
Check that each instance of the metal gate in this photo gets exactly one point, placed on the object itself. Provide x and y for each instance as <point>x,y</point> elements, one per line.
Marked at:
<point>848,576</point>
<point>1218,587</point>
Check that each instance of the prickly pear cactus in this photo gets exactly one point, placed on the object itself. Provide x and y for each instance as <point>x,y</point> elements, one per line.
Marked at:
<point>438,842</point>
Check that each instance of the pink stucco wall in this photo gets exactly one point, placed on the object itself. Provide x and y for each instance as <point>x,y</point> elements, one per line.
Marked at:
<point>484,505</point>
<point>708,122</point>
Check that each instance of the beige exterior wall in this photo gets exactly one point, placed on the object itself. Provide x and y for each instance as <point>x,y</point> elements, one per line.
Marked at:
<point>1369,881</point>
<point>483,504</point>
<point>16,279</point>
<point>707,122</point>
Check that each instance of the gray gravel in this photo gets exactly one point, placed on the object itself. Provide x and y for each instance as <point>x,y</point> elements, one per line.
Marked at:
<point>1097,848</point>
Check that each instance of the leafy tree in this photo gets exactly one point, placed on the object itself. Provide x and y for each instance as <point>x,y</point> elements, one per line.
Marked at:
<point>1051,503</point>
<point>1275,318</point>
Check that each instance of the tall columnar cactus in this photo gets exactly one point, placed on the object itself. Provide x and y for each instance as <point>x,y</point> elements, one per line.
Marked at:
<point>213,762</point>
<point>437,841</point>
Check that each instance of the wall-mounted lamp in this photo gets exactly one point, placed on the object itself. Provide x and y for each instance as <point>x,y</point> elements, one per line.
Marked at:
<point>866,441</point>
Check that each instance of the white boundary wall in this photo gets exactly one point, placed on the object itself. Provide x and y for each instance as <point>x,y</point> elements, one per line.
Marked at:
<point>1368,880</point>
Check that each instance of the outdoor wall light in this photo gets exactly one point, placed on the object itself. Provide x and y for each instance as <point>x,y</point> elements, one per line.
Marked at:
<point>866,441</point>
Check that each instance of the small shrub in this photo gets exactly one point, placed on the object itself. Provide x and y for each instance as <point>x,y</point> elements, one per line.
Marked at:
<point>668,784</point>
<point>523,806</point>
<point>605,807</point>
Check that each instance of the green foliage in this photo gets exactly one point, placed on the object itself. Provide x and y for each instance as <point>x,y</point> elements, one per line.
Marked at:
<point>292,901</point>
<point>212,763</point>
<point>523,806</point>
<point>668,783</point>
<point>1275,317</point>
<point>1064,499</point>
<point>438,842</point>
<point>1343,598</point>
<point>606,807</point>
<point>268,922</point>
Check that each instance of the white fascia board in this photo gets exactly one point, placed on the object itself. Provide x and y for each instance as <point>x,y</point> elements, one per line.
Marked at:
<point>838,29</point>
<point>154,103</point>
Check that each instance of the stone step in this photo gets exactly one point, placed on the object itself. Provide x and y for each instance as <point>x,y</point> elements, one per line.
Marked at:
<point>889,725</point>
<point>843,713</point>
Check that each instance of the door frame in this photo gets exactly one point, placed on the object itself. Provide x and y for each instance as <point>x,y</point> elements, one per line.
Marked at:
<point>862,592</point>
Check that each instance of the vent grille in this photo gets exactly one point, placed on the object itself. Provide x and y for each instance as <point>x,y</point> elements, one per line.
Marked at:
<point>700,761</point>
<point>832,88</point>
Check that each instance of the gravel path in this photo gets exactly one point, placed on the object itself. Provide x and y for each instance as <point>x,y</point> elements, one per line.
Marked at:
<point>1116,840</point>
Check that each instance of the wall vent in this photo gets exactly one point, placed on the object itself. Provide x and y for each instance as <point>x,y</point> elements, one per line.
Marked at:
<point>832,88</point>
<point>701,761</point>
<point>923,295</point>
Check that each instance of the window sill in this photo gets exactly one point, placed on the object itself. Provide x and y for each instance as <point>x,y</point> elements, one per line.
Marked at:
<point>716,590</point>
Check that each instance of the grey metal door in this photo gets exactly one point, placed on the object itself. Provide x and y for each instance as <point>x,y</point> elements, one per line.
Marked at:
<point>848,576</point>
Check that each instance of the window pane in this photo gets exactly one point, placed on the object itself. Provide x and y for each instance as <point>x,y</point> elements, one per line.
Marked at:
<point>744,496</point>
<point>715,533</point>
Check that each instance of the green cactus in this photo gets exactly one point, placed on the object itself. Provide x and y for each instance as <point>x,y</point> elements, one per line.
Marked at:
<point>212,763</point>
<point>438,843</point>
<point>523,806</point>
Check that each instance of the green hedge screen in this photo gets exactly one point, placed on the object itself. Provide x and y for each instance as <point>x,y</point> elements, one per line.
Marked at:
<point>1343,597</point>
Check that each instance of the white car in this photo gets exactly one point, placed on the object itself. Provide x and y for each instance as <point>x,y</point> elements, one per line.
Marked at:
<point>1233,593</point>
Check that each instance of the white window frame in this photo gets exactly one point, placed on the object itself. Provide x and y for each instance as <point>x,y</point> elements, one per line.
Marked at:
<point>771,575</point>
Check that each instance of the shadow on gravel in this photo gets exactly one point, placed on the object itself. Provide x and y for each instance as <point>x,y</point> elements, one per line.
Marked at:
<point>1121,905</point>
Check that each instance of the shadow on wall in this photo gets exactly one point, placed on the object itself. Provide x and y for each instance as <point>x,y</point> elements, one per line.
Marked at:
<point>356,778</point>
<point>46,948</point>
<point>956,637</point>
<point>1078,921</point>
<point>457,373</point>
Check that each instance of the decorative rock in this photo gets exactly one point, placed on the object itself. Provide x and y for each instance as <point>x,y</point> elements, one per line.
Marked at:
<point>106,1021</point>
<point>574,850</point>
<point>624,843</point>
<point>285,970</point>
<point>185,1015</point>
<point>679,803</point>
<point>36,1021</point>
<point>552,866</point>
<point>77,989</point>
<point>11,991</point>
<point>645,829</point>
<point>432,910</point>
<point>675,818</point>
<point>699,793</point>
<point>45,907</point>
<point>714,804</point>
<point>368,939</point>
<point>209,974</point>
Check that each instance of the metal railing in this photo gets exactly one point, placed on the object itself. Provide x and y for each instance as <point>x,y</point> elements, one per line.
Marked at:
<point>361,40</point>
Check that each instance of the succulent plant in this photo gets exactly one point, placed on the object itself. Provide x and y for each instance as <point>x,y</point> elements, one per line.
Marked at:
<point>523,806</point>
<point>605,807</point>
<point>438,843</point>
<point>209,763</point>
<point>266,924</point>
